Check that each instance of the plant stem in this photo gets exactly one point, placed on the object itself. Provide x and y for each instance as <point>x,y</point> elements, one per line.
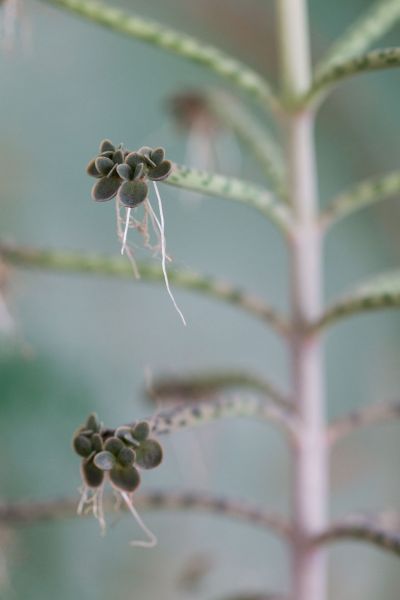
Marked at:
<point>309,452</point>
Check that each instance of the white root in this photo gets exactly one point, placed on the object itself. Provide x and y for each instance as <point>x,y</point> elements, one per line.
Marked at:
<point>152,540</point>
<point>161,226</point>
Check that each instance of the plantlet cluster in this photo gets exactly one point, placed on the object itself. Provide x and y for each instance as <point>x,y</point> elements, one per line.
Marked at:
<point>119,454</point>
<point>124,174</point>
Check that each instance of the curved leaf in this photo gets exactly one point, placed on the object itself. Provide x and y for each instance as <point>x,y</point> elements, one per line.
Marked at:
<point>381,292</point>
<point>105,188</point>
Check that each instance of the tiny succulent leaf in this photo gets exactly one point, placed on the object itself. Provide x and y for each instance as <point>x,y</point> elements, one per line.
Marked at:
<point>161,171</point>
<point>133,159</point>
<point>107,153</point>
<point>145,151</point>
<point>157,155</point>
<point>82,445</point>
<point>132,193</point>
<point>118,157</point>
<point>92,170</point>
<point>125,171</point>
<point>105,188</point>
<point>104,164</point>
<point>114,445</point>
<point>126,456</point>
<point>149,454</point>
<point>104,460</point>
<point>97,442</point>
<point>125,433</point>
<point>92,423</point>
<point>106,145</point>
<point>125,478</point>
<point>139,171</point>
<point>141,431</point>
<point>92,475</point>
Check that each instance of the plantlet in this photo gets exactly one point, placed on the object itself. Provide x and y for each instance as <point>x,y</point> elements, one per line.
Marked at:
<point>290,201</point>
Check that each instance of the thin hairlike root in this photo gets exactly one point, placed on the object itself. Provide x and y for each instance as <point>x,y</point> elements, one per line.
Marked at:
<point>128,216</point>
<point>161,225</point>
<point>92,501</point>
<point>128,251</point>
<point>152,540</point>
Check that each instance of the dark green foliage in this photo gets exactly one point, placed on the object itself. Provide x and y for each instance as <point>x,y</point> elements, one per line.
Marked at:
<point>82,445</point>
<point>149,454</point>
<point>105,188</point>
<point>132,193</point>
<point>114,445</point>
<point>92,476</point>
<point>126,457</point>
<point>126,479</point>
<point>141,431</point>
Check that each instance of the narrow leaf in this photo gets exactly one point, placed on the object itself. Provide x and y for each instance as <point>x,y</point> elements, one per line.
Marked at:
<point>239,74</point>
<point>381,292</point>
<point>373,24</point>
<point>385,58</point>
<point>363,194</point>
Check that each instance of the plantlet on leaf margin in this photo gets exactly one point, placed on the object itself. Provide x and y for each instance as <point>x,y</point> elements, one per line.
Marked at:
<point>117,455</point>
<point>124,175</point>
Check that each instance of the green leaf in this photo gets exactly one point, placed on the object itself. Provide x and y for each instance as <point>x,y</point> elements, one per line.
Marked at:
<point>113,445</point>
<point>149,454</point>
<point>104,460</point>
<point>157,155</point>
<point>125,172</point>
<point>104,164</point>
<point>381,292</point>
<point>384,58</point>
<point>82,445</point>
<point>118,157</point>
<point>92,476</point>
<point>106,145</point>
<point>373,24</point>
<point>133,159</point>
<point>126,479</point>
<point>93,423</point>
<point>139,171</point>
<point>97,442</point>
<point>126,457</point>
<point>105,188</point>
<point>141,431</point>
<point>161,171</point>
<point>132,193</point>
<point>92,170</point>
<point>125,433</point>
<point>361,195</point>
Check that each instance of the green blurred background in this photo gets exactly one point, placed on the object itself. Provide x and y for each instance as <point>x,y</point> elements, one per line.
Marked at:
<point>86,344</point>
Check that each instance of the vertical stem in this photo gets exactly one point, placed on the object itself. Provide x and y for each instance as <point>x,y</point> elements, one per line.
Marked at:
<point>310,461</point>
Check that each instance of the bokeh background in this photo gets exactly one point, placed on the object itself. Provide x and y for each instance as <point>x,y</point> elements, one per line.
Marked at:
<point>86,343</point>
